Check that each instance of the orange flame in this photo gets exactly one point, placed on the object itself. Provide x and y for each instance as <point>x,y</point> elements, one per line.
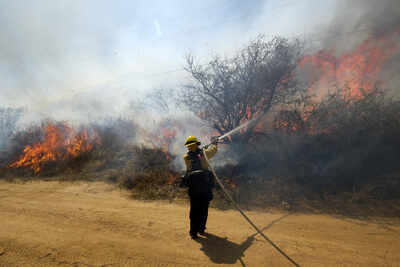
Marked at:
<point>167,137</point>
<point>356,73</point>
<point>60,143</point>
<point>161,136</point>
<point>357,70</point>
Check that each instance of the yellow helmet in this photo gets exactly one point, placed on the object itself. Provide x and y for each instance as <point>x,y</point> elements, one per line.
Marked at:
<point>191,140</point>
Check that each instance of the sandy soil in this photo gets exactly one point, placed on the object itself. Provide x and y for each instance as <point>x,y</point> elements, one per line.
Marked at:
<point>94,224</point>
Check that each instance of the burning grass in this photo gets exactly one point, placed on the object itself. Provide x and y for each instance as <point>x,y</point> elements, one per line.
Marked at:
<point>56,150</point>
<point>60,143</point>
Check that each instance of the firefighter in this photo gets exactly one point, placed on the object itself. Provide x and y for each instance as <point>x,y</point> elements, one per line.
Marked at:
<point>200,181</point>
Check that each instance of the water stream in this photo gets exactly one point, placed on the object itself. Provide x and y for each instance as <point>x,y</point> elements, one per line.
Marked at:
<point>236,129</point>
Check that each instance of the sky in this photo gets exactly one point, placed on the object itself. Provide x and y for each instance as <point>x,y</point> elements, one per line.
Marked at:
<point>70,59</point>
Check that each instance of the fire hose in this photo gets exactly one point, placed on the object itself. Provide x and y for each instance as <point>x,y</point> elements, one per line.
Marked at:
<point>242,212</point>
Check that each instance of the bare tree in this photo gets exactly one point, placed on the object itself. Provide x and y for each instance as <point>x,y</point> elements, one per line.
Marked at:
<point>229,91</point>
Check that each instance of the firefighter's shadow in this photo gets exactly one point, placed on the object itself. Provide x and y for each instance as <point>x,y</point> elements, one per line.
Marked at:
<point>221,250</point>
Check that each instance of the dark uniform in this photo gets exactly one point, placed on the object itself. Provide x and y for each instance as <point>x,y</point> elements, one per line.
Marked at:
<point>200,182</point>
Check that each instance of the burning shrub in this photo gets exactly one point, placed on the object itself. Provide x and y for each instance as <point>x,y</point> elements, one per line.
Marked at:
<point>340,146</point>
<point>103,150</point>
<point>53,145</point>
<point>20,140</point>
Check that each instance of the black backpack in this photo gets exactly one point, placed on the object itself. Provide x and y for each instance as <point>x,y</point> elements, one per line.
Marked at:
<point>199,181</point>
<point>195,158</point>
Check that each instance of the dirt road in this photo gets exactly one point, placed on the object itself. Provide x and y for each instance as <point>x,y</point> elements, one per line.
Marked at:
<point>94,224</point>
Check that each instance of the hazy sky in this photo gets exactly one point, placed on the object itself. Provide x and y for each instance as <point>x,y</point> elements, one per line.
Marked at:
<point>68,58</point>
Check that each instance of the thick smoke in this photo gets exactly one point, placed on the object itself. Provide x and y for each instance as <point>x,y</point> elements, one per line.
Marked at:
<point>355,21</point>
<point>378,17</point>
